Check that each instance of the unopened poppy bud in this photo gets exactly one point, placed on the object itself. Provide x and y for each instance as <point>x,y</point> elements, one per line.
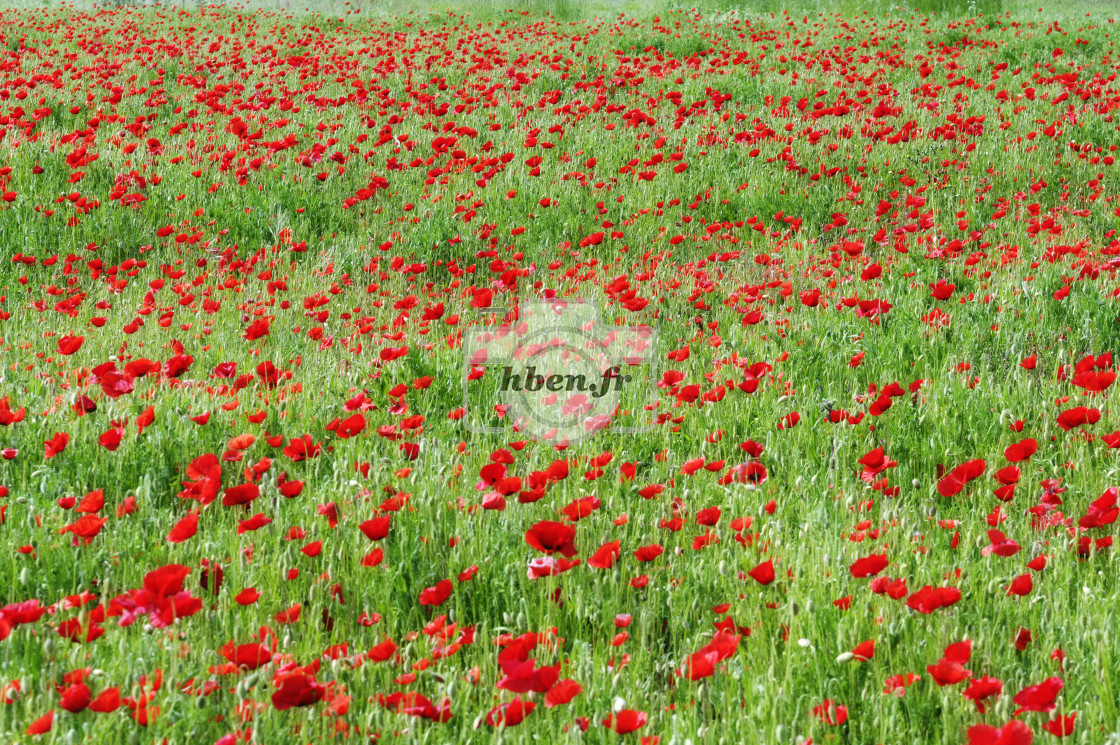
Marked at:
<point>845,657</point>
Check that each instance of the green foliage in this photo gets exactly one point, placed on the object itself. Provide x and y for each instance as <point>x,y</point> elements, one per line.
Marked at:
<point>270,239</point>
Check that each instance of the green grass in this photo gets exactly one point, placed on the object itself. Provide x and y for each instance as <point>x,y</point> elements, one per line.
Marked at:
<point>256,234</point>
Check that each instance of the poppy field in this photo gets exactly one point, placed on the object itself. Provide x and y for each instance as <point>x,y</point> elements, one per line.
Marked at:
<point>876,496</point>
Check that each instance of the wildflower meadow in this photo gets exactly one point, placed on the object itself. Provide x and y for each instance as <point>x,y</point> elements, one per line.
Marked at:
<point>559,372</point>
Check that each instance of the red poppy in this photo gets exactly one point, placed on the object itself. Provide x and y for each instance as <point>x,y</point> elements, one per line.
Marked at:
<point>107,701</point>
<point>248,656</point>
<point>184,529</point>
<point>1061,726</point>
<point>869,566</point>
<point>763,574</point>
<point>42,725</point>
<point>953,482</point>
<point>1041,697</point>
<point>68,345</point>
<point>562,693</point>
<point>56,444</point>
<point>626,721</point>
<point>436,595</point>
<point>1012,733</point>
<point>297,690</point>
<point>239,495</point>
<point>9,417</point>
<point>551,537</point>
<point>1021,450</point>
<point>75,698</point>
<point>831,713</point>
<point>509,714</point>
<point>1078,416</point>
<point>928,599</point>
<point>376,528</point>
